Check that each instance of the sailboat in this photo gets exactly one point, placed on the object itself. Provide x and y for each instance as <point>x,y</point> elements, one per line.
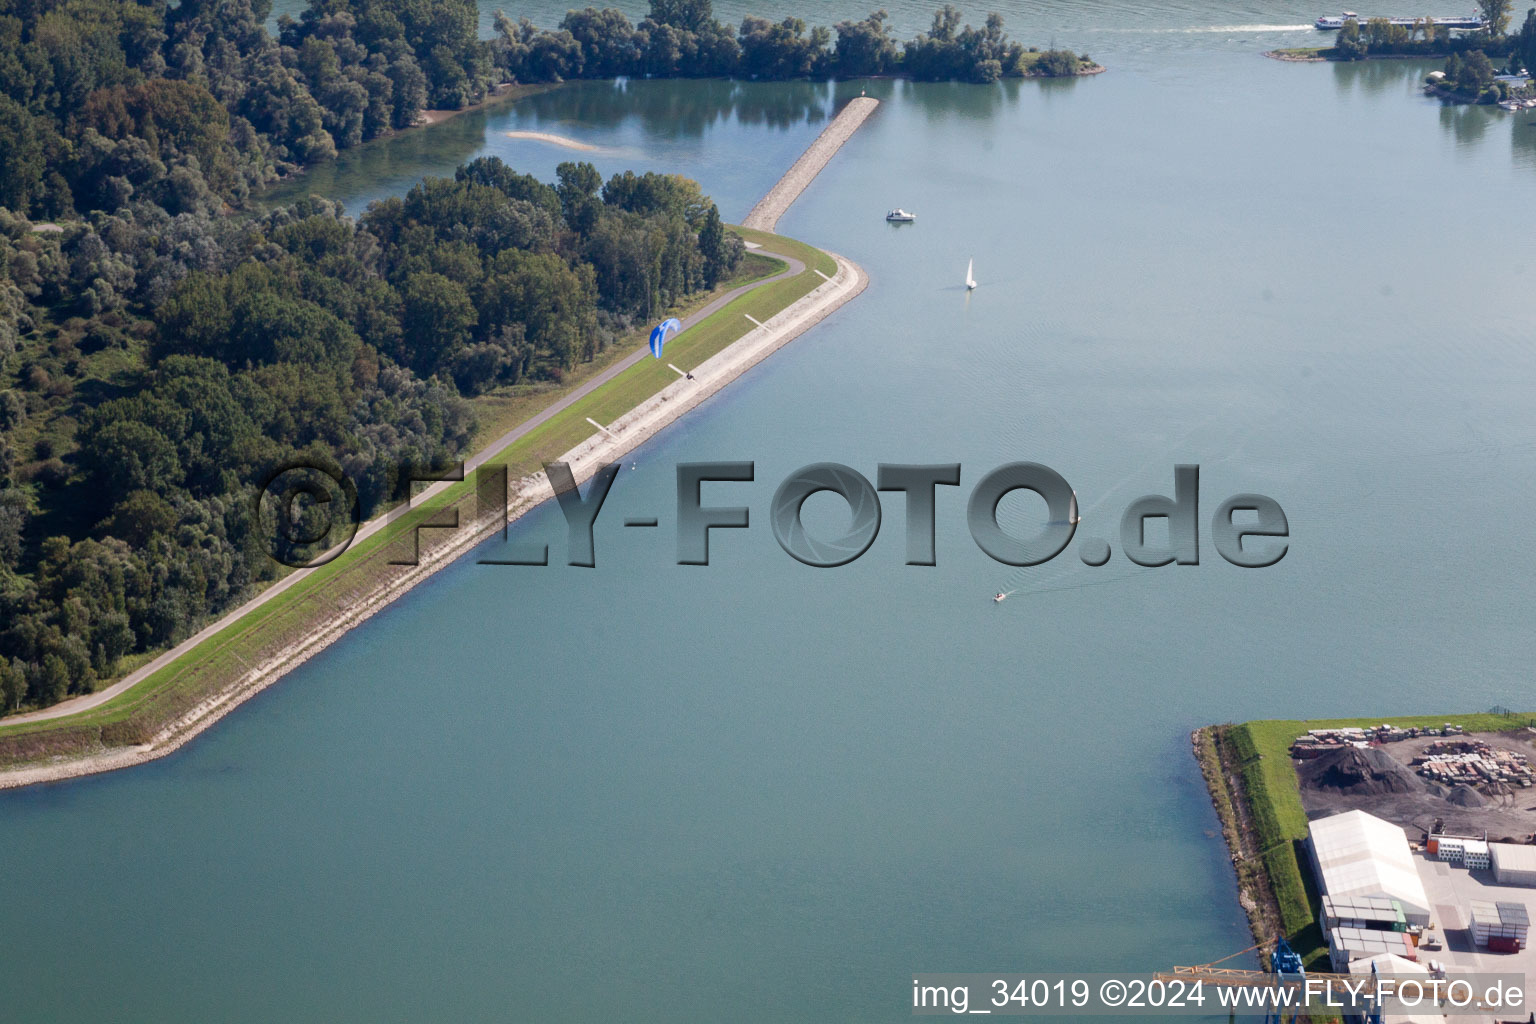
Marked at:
<point>970,280</point>
<point>1072,517</point>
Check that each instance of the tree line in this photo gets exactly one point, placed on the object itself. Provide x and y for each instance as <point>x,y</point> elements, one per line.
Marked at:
<point>682,38</point>
<point>1425,37</point>
<point>163,344</point>
<point>300,332</point>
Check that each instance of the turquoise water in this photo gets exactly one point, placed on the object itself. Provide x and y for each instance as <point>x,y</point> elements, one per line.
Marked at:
<point>759,791</point>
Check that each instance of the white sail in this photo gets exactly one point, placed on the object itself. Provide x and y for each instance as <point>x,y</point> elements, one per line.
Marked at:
<point>1072,517</point>
<point>970,280</point>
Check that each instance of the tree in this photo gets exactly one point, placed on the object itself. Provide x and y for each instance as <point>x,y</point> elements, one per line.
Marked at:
<point>1381,36</point>
<point>13,683</point>
<point>141,516</point>
<point>13,524</point>
<point>781,50</point>
<point>1453,70</point>
<point>711,246</point>
<point>125,455</point>
<point>945,22</point>
<point>1477,72</point>
<point>607,41</point>
<point>577,189</point>
<point>1525,41</point>
<point>1056,64</point>
<point>647,193</point>
<point>552,57</point>
<point>52,683</point>
<point>865,47</point>
<point>1348,45</point>
<point>1470,74</point>
<point>1495,17</point>
<point>21,172</point>
<point>436,320</point>
<point>688,15</point>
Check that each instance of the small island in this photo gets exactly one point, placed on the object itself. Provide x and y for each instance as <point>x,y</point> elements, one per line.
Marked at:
<point>1381,38</point>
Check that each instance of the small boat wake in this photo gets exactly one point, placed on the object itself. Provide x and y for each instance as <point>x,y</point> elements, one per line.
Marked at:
<point>1252,28</point>
<point>1196,29</point>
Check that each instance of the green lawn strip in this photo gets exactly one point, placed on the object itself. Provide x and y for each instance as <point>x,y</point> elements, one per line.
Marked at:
<point>1280,820</point>
<point>499,411</point>
<point>813,258</point>
<point>179,685</point>
<point>1324,52</point>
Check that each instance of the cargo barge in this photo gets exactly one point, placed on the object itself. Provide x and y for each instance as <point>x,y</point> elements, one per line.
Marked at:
<point>1470,22</point>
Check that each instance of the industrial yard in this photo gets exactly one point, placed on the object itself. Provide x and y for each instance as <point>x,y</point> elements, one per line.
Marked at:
<point>1454,904</point>
<point>1468,784</point>
<point>1436,819</point>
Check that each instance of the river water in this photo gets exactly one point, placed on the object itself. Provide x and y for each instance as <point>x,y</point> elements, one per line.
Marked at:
<point>761,791</point>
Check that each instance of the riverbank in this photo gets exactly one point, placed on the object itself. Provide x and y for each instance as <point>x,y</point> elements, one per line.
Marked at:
<point>217,675</point>
<point>499,94</point>
<point>1330,54</point>
<point>1300,55</point>
<point>162,704</point>
<point>1253,786</point>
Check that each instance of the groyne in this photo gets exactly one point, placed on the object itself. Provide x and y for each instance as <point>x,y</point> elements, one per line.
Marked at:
<point>765,215</point>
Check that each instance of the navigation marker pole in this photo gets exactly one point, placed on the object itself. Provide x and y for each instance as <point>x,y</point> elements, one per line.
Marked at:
<point>824,277</point>
<point>604,429</point>
<point>681,373</point>
<point>754,319</point>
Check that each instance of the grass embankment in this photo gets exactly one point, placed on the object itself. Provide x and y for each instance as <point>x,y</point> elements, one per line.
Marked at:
<point>1317,53</point>
<point>1085,66</point>
<point>1305,53</point>
<point>139,713</point>
<point>498,411</point>
<point>1253,783</point>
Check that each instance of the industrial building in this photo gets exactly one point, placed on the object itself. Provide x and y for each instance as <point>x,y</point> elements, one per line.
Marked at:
<point>1501,926</point>
<point>1355,854</point>
<point>1376,912</point>
<point>1512,864</point>
<point>1346,945</point>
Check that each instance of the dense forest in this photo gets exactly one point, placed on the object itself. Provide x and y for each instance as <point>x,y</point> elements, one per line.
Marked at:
<point>163,343</point>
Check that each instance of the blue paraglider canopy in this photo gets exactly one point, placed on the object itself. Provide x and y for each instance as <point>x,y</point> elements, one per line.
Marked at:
<point>660,333</point>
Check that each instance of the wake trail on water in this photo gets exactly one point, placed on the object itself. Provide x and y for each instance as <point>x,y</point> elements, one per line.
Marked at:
<point>1251,28</point>
<point>1195,29</point>
<point>1083,586</point>
<point>1045,583</point>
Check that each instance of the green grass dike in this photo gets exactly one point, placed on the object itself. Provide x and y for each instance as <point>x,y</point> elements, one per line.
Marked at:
<point>219,662</point>
<point>1255,792</point>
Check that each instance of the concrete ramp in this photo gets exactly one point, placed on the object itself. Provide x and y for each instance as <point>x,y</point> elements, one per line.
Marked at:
<point>765,215</point>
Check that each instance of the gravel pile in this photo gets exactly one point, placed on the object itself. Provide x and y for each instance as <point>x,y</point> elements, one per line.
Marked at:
<point>1358,772</point>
